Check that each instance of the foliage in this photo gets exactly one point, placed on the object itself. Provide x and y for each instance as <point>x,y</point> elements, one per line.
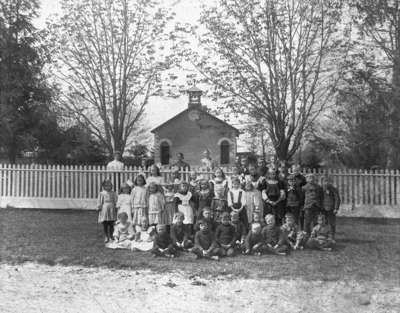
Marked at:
<point>270,61</point>
<point>110,55</point>
<point>25,96</point>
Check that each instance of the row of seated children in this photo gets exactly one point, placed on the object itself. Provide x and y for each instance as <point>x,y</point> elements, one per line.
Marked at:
<point>228,238</point>
<point>159,205</point>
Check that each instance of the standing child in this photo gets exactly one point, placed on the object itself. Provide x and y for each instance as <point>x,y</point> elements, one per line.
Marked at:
<point>206,218</point>
<point>139,200</point>
<point>225,236</point>
<point>294,198</point>
<point>240,231</point>
<point>321,237</point>
<point>254,241</point>
<point>179,235</point>
<point>236,174</point>
<point>106,205</point>
<point>123,233</point>
<point>156,204</point>
<point>253,202</point>
<point>204,243</point>
<point>237,201</point>
<point>193,182</point>
<point>176,178</point>
<point>124,203</point>
<point>162,245</point>
<point>202,198</point>
<point>272,237</point>
<point>220,189</point>
<point>144,236</point>
<point>331,203</point>
<point>312,202</point>
<point>291,233</point>
<point>184,198</point>
<point>274,196</point>
<point>170,204</point>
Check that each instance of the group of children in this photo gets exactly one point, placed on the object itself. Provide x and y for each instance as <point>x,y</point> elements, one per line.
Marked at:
<point>246,213</point>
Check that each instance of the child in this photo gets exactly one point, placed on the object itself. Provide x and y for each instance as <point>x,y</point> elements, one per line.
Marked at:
<point>179,235</point>
<point>274,196</point>
<point>170,204</point>
<point>312,202</point>
<point>193,182</point>
<point>220,188</point>
<point>162,245</point>
<point>291,233</point>
<point>123,233</point>
<point>225,236</point>
<point>257,219</point>
<point>144,236</point>
<point>255,178</point>
<point>203,197</point>
<point>253,202</point>
<point>254,240</point>
<point>183,199</point>
<point>321,237</point>
<point>106,205</point>
<point>240,231</point>
<point>155,176</point>
<point>124,203</point>
<point>236,174</point>
<point>204,243</point>
<point>272,237</point>
<point>331,203</point>
<point>206,218</point>
<point>156,203</point>
<point>139,200</point>
<point>176,178</point>
<point>237,201</point>
<point>294,198</point>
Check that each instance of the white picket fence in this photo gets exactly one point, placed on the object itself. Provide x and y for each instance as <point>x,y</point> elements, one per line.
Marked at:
<point>52,182</point>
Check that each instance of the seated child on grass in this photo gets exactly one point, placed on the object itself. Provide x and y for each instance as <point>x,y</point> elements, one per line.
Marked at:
<point>123,233</point>
<point>321,237</point>
<point>144,236</point>
<point>272,237</point>
<point>204,243</point>
<point>240,231</point>
<point>225,236</point>
<point>179,235</point>
<point>254,241</point>
<point>294,237</point>
<point>162,245</point>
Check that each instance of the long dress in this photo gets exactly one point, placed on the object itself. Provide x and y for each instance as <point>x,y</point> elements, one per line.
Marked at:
<point>219,203</point>
<point>170,207</point>
<point>106,202</point>
<point>253,204</point>
<point>144,239</point>
<point>139,204</point>
<point>185,207</point>
<point>124,204</point>
<point>156,207</point>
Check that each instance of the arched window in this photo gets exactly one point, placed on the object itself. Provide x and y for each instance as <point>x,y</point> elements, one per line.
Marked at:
<point>224,147</point>
<point>164,153</point>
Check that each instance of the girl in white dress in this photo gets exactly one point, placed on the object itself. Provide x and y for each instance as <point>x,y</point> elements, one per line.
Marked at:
<point>144,236</point>
<point>184,198</point>
<point>106,205</point>
<point>123,233</point>
<point>156,203</point>
<point>139,200</point>
<point>124,203</point>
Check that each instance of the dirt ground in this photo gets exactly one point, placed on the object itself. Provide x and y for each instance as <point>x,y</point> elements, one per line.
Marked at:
<point>32,287</point>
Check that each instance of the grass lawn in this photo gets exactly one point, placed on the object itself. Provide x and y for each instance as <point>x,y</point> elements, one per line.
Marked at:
<point>368,250</point>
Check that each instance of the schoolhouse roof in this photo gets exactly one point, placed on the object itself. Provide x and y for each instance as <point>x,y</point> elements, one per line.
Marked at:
<point>154,130</point>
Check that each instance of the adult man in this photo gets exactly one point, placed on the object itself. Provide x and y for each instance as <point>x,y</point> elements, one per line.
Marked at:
<point>116,164</point>
<point>180,163</point>
<point>207,162</point>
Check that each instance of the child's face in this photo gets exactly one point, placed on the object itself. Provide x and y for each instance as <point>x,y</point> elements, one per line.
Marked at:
<point>123,219</point>
<point>153,188</point>
<point>252,170</point>
<point>255,228</point>
<point>218,173</point>
<point>243,162</point>
<point>203,227</point>
<point>291,182</point>
<point>144,224</point>
<point>203,185</point>
<point>270,220</point>
<point>193,176</point>
<point>234,218</point>
<point>154,171</point>
<point>256,218</point>
<point>125,190</point>
<point>140,181</point>
<point>175,174</point>
<point>310,179</point>
<point>179,220</point>
<point>107,186</point>
<point>289,220</point>
<point>170,188</point>
<point>207,214</point>
<point>184,188</point>
<point>225,220</point>
<point>235,184</point>
<point>235,171</point>
<point>249,186</point>
<point>321,220</point>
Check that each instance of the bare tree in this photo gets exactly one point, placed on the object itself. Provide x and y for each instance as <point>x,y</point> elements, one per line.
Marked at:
<point>108,58</point>
<point>270,61</point>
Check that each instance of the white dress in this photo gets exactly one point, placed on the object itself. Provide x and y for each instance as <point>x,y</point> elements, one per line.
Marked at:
<point>144,239</point>
<point>185,207</point>
<point>124,204</point>
<point>124,235</point>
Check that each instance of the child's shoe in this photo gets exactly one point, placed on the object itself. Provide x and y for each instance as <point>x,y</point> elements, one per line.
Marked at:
<point>257,253</point>
<point>215,257</point>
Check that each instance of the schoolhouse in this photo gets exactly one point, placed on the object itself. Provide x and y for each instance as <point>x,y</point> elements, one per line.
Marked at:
<point>193,131</point>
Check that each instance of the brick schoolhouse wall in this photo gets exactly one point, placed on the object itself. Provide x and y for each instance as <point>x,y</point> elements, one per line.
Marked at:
<point>193,137</point>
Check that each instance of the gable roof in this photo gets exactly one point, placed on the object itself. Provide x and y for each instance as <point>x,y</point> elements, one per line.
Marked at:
<point>203,112</point>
